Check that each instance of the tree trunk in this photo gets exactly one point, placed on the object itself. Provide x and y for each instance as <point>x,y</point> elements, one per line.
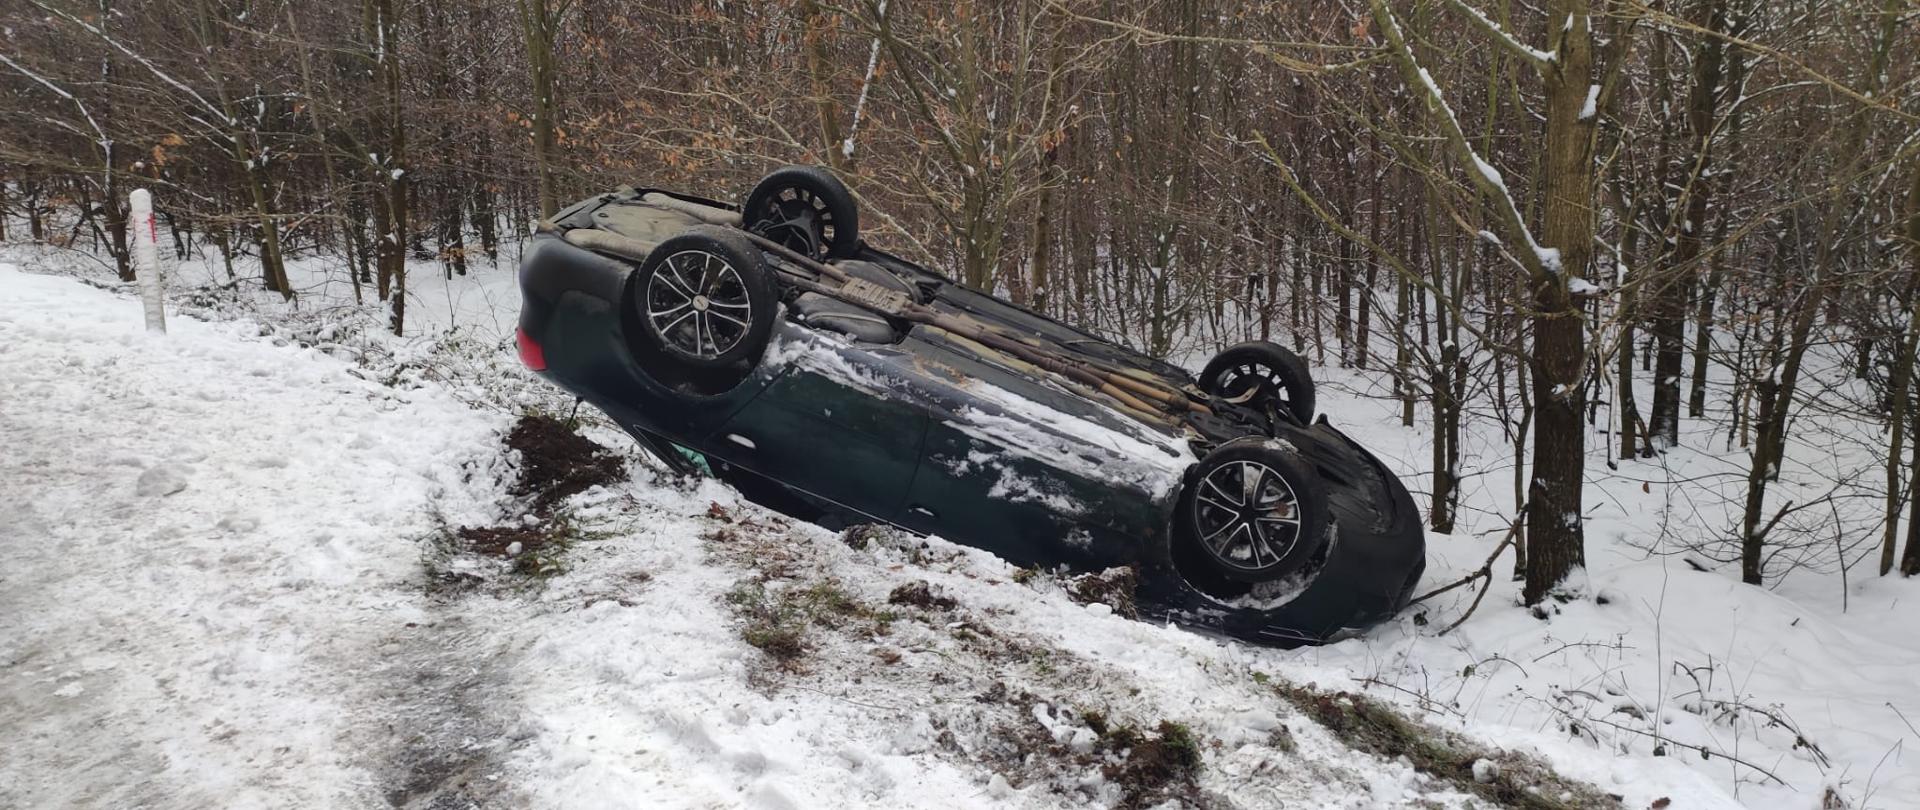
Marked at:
<point>819,69</point>
<point>539,25</point>
<point>1776,388</point>
<point>267,235</point>
<point>1910,560</point>
<point>1556,534</point>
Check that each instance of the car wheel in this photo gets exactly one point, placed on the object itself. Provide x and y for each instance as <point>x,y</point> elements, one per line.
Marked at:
<point>706,299</point>
<point>1253,512</point>
<point>806,209</point>
<point>1266,374</point>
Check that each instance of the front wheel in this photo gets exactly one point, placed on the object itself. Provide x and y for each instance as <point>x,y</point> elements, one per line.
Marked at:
<point>1253,512</point>
<point>706,300</point>
<point>1262,374</point>
<point>806,209</point>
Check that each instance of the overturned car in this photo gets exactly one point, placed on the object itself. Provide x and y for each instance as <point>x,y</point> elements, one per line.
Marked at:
<point>767,343</point>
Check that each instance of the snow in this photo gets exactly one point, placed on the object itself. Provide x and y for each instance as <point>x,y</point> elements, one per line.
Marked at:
<point>1493,28</point>
<point>1619,662</point>
<point>1113,449</point>
<point>1591,107</point>
<point>1150,464</point>
<point>215,595</point>
<point>211,539</point>
<point>1549,258</point>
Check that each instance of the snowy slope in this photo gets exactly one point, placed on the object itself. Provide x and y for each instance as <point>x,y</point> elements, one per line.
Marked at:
<point>1810,680</point>
<point>210,544</point>
<point>269,635</point>
<point>217,596</point>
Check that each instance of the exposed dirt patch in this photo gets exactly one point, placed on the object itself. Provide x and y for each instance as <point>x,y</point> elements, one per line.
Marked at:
<point>557,463</point>
<point>534,548</point>
<point>1155,768</point>
<point>1505,778</point>
<point>504,541</point>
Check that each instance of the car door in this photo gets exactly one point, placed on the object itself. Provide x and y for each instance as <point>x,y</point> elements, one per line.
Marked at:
<point>833,424</point>
<point>993,477</point>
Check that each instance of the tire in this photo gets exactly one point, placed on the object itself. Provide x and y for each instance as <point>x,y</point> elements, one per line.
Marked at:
<point>807,209</point>
<point>705,299</point>
<point>1223,534</point>
<point>1279,377</point>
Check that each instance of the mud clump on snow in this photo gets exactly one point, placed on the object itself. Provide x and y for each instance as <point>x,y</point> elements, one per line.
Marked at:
<point>921,595</point>
<point>534,547</point>
<point>503,541</point>
<point>1113,587</point>
<point>557,463</point>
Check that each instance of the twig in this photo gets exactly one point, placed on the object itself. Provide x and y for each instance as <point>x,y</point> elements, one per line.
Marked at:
<point>1702,750</point>
<point>1426,701</point>
<point>1484,574</point>
<point>1903,718</point>
<point>1616,645</point>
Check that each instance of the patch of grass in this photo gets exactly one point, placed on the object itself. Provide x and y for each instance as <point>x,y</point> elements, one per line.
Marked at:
<point>1373,727</point>
<point>767,624</point>
<point>777,624</point>
<point>1150,768</point>
<point>1095,719</point>
<point>1156,767</point>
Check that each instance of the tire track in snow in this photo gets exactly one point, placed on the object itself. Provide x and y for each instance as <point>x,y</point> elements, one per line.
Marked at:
<point>218,546</point>
<point>450,714</point>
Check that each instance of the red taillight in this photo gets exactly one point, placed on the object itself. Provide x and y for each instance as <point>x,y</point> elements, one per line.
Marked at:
<point>530,352</point>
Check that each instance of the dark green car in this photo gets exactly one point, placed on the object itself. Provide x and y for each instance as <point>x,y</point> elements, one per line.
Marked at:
<point>842,384</point>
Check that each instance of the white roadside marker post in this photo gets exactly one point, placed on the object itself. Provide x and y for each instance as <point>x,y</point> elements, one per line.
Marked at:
<point>146,256</point>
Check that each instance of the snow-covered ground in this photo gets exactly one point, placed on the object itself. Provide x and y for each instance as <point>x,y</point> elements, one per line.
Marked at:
<point>224,588</point>
<point>1810,680</point>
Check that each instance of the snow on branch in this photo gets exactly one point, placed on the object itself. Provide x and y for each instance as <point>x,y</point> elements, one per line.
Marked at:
<point>1537,259</point>
<point>860,105</point>
<point>1538,58</point>
<point>150,66</point>
<point>106,144</point>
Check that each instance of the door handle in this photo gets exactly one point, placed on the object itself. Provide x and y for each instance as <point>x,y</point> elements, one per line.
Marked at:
<point>742,441</point>
<point>921,511</point>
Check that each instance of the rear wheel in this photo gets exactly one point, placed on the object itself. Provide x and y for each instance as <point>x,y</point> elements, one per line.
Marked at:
<point>1252,513</point>
<point>1263,374</point>
<point>806,209</point>
<point>706,300</point>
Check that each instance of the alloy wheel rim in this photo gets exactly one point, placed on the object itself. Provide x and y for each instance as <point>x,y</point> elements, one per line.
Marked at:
<point>1247,515</point>
<point>698,305</point>
<point>798,219</point>
<point>1235,381</point>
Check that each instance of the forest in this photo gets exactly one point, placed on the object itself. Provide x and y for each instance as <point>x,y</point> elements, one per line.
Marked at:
<point>1594,229</point>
